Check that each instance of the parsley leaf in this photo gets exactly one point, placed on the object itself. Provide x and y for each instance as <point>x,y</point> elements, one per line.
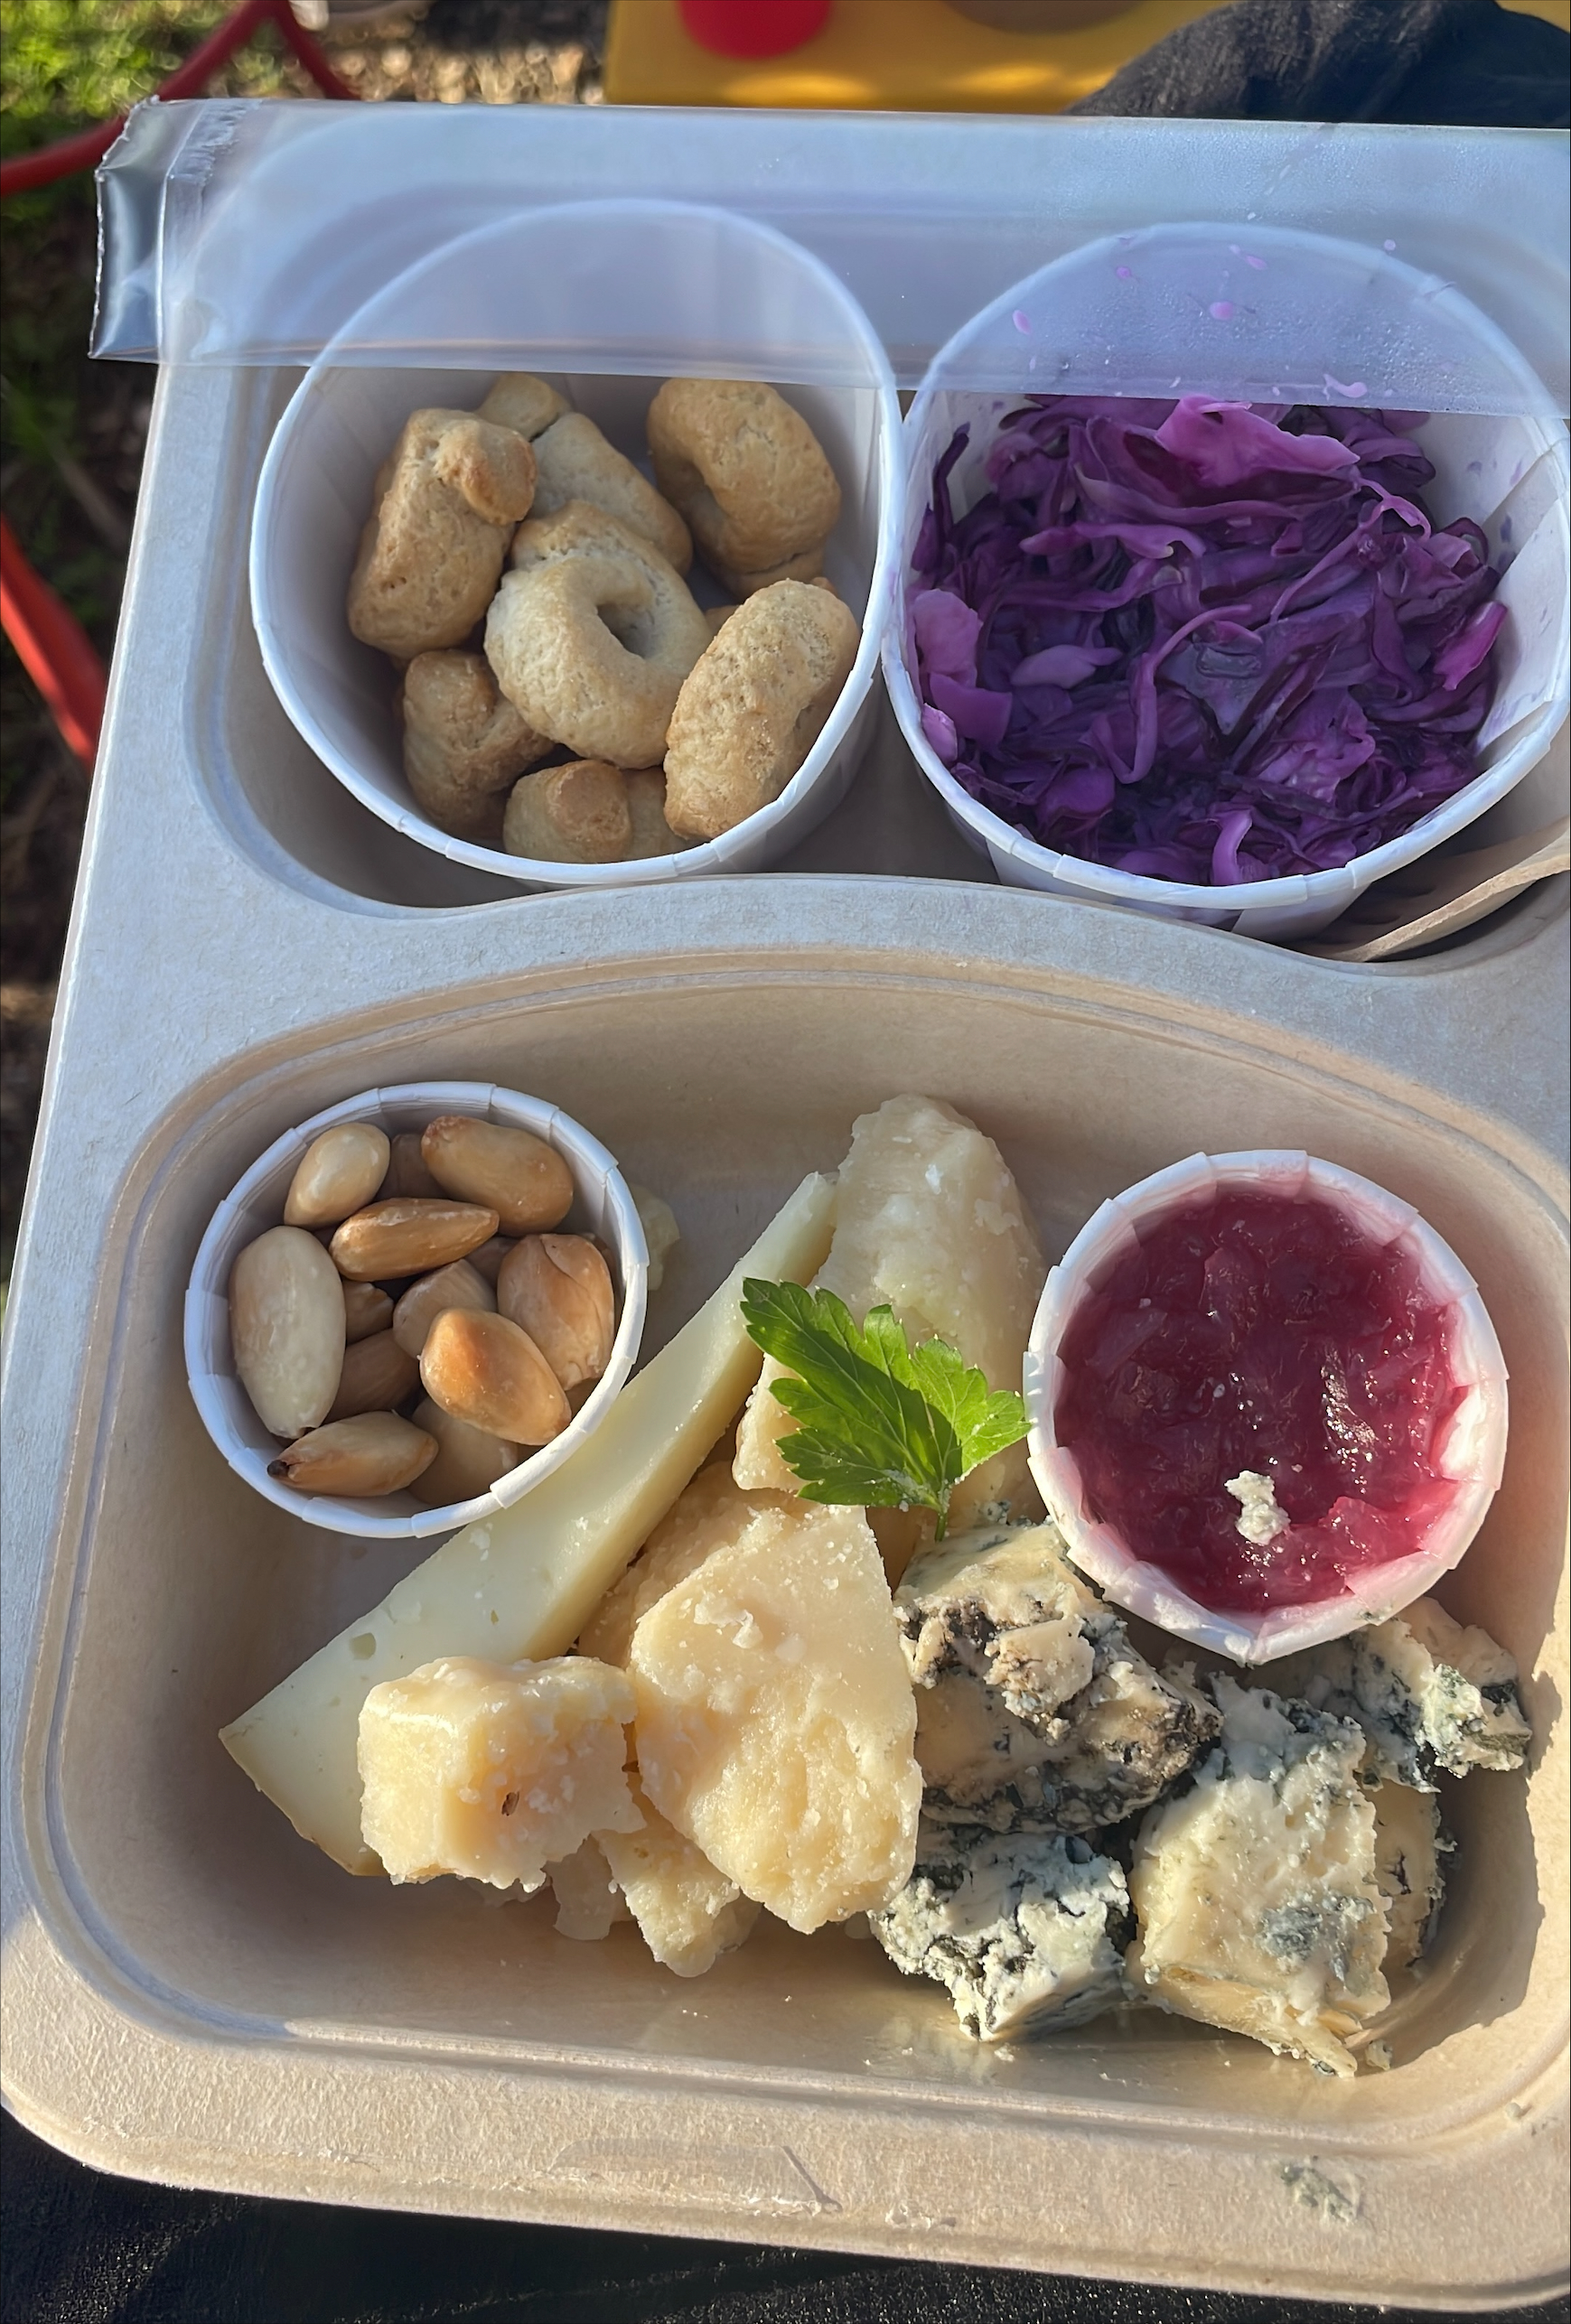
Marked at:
<point>879,1424</point>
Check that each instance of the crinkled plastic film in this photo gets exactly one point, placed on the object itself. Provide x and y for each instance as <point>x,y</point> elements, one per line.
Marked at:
<point>247,233</point>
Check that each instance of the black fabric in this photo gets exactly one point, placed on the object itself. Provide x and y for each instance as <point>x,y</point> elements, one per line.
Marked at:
<point>81,2248</point>
<point>1462,62</point>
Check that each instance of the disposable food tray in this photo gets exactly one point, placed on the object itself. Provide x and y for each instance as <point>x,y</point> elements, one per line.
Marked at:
<point>194,1995</point>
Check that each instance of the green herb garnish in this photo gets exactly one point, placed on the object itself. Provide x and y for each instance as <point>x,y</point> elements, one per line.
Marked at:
<point>880,1425</point>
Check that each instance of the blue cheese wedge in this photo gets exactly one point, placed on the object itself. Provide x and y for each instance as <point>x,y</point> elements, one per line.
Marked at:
<point>1026,1931</point>
<point>1035,1713</point>
<point>1428,1694</point>
<point>1257,1890</point>
<point>1409,1842</point>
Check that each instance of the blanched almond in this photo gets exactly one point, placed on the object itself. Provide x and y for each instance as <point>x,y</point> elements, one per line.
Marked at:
<point>366,1309</point>
<point>408,1237</point>
<point>489,1258</point>
<point>460,1285</point>
<point>483,1369</point>
<point>526,1182</point>
<point>338,1172</point>
<point>407,1171</point>
<point>286,1328</point>
<point>468,1461</point>
<point>557,1288</point>
<point>377,1374</point>
<point>374,1453</point>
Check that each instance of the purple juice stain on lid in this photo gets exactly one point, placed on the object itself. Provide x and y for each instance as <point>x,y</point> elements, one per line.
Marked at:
<point>1345,387</point>
<point>1221,310</point>
<point>1475,468</point>
<point>1125,274</point>
<point>1022,321</point>
<point>1250,260</point>
<point>1387,245</point>
<point>1505,528</point>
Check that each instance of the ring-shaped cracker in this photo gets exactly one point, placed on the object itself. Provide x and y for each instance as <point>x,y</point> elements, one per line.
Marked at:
<point>576,462</point>
<point>749,475</point>
<point>592,650</point>
<point>753,708</point>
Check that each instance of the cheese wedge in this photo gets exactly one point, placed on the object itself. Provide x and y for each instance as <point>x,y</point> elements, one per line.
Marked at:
<point>518,1585</point>
<point>928,1219</point>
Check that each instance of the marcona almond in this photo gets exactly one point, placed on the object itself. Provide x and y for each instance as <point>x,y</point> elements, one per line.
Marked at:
<point>468,1461</point>
<point>338,1172</point>
<point>483,1369</point>
<point>406,1172</point>
<point>526,1182</point>
<point>408,1237</point>
<point>286,1328</point>
<point>458,1285</point>
<point>374,1453</point>
<point>489,1258</point>
<point>557,1288</point>
<point>366,1309</point>
<point>377,1374</point>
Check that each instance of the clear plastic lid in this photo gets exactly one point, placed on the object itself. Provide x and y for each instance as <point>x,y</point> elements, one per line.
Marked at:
<point>241,233</point>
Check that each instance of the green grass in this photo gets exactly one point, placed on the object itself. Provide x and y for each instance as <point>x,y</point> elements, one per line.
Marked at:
<point>66,63</point>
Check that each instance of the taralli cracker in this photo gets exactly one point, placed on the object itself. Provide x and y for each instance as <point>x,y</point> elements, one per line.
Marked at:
<point>748,474</point>
<point>576,463</point>
<point>464,744</point>
<point>576,813</point>
<point>753,708</point>
<point>591,634</point>
<point>522,401</point>
<point>446,504</point>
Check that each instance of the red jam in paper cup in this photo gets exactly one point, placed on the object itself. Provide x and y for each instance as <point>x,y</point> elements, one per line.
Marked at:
<point>1267,1404</point>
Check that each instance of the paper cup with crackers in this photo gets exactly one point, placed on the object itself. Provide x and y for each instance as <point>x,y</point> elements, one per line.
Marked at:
<point>569,552</point>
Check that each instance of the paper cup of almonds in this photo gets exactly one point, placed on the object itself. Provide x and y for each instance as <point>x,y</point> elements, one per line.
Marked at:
<point>1267,1404</point>
<point>415,1306</point>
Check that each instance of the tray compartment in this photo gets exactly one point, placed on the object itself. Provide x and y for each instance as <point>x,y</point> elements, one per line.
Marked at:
<point>192,1597</point>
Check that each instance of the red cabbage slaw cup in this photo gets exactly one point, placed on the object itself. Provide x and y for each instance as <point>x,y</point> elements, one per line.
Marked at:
<point>1055,333</point>
<point>1473,1452</point>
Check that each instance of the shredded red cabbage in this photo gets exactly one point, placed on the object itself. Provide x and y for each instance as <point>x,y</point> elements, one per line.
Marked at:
<point>1207,642</point>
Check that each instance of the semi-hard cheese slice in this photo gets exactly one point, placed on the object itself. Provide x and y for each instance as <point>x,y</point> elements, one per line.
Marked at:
<point>471,1768</point>
<point>520,1585</point>
<point>930,1221</point>
<point>775,1719</point>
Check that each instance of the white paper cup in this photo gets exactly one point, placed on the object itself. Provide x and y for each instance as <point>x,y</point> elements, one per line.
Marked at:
<point>719,289</point>
<point>602,1206</point>
<point>1510,475</point>
<point>1472,1454</point>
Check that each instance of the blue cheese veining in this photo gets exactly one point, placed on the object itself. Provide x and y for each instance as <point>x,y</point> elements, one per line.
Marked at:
<point>1035,1712</point>
<point>1428,1694</point>
<point>1025,1931</point>
<point>1256,1890</point>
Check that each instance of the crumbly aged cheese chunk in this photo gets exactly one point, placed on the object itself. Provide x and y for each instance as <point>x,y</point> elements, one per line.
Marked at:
<point>1027,1932</point>
<point>1427,1693</point>
<point>1255,1891</point>
<point>1409,1842</point>
<point>1033,1711</point>
<point>711,1513</point>
<point>689,1912</point>
<point>928,1221</point>
<point>775,1717</point>
<point>588,1901</point>
<point>492,1772</point>
<point>521,1584</point>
